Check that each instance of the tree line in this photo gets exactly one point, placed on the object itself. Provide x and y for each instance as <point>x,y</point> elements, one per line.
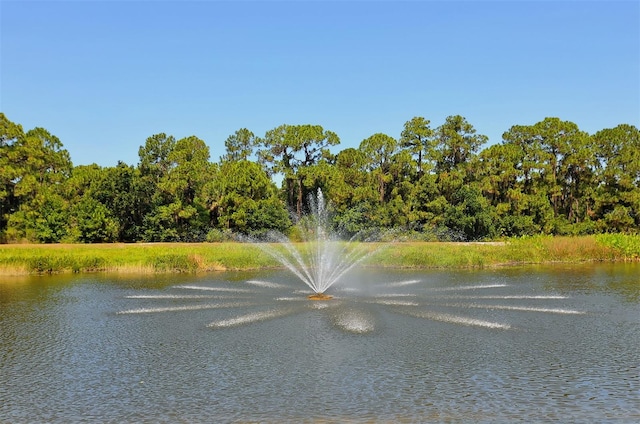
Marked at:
<point>434,183</point>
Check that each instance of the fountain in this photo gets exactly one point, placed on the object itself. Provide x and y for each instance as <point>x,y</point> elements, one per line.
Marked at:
<point>323,258</point>
<point>321,262</point>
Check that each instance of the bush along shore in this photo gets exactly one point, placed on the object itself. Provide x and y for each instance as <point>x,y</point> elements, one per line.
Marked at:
<point>150,258</point>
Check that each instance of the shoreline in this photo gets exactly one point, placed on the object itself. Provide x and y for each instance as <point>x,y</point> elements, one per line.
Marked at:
<point>162,258</point>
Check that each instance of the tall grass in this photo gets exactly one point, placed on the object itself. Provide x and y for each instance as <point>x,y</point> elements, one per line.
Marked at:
<point>627,246</point>
<point>517,251</point>
<point>146,258</point>
<point>133,258</point>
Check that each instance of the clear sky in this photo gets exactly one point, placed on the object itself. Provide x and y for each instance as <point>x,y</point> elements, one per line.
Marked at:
<point>105,75</point>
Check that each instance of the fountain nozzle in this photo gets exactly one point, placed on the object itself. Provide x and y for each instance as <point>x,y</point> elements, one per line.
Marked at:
<point>319,296</point>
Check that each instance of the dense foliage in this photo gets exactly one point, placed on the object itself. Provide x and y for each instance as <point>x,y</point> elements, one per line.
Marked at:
<point>430,183</point>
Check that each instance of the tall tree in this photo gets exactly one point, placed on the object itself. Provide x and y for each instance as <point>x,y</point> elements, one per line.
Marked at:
<point>40,166</point>
<point>498,171</point>
<point>42,161</point>
<point>569,164</point>
<point>456,143</point>
<point>500,179</point>
<point>417,137</point>
<point>379,149</point>
<point>119,189</point>
<point>352,195</point>
<point>10,134</point>
<point>288,148</point>
<point>184,213</point>
<point>240,146</point>
<point>618,192</point>
<point>89,220</point>
<point>154,156</point>
<point>173,174</point>
<point>245,200</point>
<point>558,163</point>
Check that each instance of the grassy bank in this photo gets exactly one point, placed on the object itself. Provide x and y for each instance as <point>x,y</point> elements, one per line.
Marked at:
<point>145,258</point>
<point>530,250</point>
<point>204,257</point>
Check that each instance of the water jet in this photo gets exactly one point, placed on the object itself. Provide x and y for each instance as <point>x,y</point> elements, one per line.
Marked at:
<point>323,258</point>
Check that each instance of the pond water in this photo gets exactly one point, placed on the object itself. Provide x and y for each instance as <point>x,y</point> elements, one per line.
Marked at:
<point>557,343</point>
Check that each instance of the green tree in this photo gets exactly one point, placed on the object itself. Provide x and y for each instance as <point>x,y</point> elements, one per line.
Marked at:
<point>427,203</point>
<point>557,162</point>
<point>39,166</point>
<point>455,156</point>
<point>240,146</point>
<point>379,150</point>
<point>499,179</point>
<point>93,222</point>
<point>118,189</point>
<point>81,189</point>
<point>289,148</point>
<point>456,144</point>
<point>154,156</point>
<point>10,134</point>
<point>121,192</point>
<point>618,174</point>
<point>499,171</point>
<point>154,167</point>
<point>471,215</point>
<point>43,219</point>
<point>569,163</point>
<point>418,137</point>
<point>41,161</point>
<point>179,210</point>
<point>352,195</point>
<point>391,171</point>
<point>245,200</point>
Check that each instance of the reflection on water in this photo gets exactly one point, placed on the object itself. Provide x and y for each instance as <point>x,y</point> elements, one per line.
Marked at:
<point>528,344</point>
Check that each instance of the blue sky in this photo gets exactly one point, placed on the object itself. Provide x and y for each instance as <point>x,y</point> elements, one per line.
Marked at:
<point>105,75</point>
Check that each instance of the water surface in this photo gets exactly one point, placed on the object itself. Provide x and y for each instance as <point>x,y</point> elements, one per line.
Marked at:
<point>527,344</point>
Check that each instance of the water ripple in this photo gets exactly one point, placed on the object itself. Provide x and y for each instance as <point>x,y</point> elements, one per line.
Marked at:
<point>221,289</point>
<point>186,308</point>
<point>471,287</point>
<point>517,308</point>
<point>457,319</point>
<point>266,284</point>
<point>251,318</point>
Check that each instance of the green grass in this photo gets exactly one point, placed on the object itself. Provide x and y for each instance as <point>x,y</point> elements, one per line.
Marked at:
<point>130,258</point>
<point>519,251</point>
<point>204,257</point>
<point>627,246</point>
